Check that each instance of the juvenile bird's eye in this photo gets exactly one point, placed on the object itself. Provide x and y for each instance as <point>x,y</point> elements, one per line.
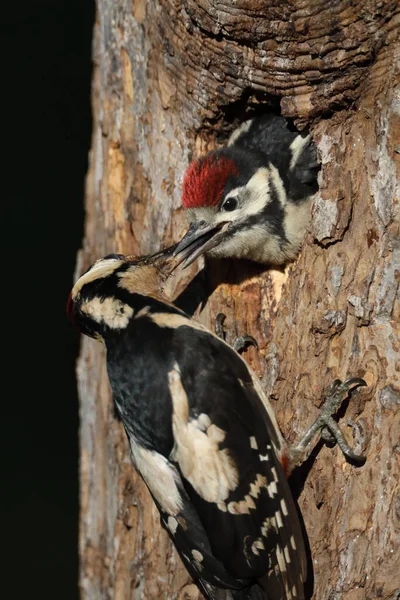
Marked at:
<point>229,204</point>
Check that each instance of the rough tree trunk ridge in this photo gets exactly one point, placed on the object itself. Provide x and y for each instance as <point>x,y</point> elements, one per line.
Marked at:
<point>168,76</point>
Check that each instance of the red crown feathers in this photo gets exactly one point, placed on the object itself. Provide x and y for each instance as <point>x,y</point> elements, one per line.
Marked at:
<point>205,179</point>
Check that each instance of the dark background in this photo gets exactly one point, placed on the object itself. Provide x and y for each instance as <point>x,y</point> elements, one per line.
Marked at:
<point>45,138</point>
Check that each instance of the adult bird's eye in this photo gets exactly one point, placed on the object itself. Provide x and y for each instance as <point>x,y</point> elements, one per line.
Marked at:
<point>229,204</point>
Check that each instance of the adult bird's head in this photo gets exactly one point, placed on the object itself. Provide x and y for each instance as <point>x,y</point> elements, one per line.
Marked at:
<point>112,290</point>
<point>250,198</point>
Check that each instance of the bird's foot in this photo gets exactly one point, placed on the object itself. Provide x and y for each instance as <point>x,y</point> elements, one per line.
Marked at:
<point>241,342</point>
<point>219,326</point>
<point>327,426</point>
<point>244,341</point>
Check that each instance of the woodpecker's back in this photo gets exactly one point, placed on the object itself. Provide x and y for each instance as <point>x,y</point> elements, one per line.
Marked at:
<point>201,433</point>
<point>291,152</point>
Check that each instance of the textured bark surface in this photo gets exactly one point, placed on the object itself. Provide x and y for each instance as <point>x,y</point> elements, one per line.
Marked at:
<point>168,75</point>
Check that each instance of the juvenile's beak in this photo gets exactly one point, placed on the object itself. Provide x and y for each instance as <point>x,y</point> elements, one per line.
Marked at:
<point>166,261</point>
<point>199,238</point>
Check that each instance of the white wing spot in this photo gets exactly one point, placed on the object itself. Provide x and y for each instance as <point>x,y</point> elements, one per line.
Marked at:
<point>264,457</point>
<point>294,592</point>
<point>287,555</point>
<point>253,443</point>
<point>272,489</point>
<point>292,543</point>
<point>172,525</point>
<point>275,474</point>
<point>284,507</point>
<point>211,471</point>
<point>278,518</point>
<point>281,560</point>
<point>242,507</point>
<point>197,556</point>
<point>255,488</point>
<point>266,526</point>
<point>256,546</point>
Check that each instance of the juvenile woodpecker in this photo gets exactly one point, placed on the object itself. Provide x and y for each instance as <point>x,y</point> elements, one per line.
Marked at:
<point>251,199</point>
<point>201,432</point>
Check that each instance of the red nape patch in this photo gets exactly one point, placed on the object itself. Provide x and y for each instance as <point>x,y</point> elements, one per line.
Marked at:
<point>285,463</point>
<point>70,308</point>
<point>205,179</point>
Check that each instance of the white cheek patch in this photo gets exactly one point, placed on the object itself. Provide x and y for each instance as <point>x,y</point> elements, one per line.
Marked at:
<point>257,190</point>
<point>211,471</point>
<point>161,478</point>
<point>255,244</point>
<point>110,311</point>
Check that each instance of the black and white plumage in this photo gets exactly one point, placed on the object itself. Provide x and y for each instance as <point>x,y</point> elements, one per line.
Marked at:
<point>202,434</point>
<point>251,198</point>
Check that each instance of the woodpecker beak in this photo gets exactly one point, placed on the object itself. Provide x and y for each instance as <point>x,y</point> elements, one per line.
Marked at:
<point>166,261</point>
<point>199,238</point>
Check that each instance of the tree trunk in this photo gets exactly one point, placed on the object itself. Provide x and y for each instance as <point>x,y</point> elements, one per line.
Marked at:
<point>171,79</point>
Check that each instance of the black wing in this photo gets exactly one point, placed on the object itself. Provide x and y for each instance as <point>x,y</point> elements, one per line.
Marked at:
<point>225,448</point>
<point>236,522</point>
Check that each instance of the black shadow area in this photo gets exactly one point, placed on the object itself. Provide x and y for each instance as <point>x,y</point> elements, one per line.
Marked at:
<point>45,138</point>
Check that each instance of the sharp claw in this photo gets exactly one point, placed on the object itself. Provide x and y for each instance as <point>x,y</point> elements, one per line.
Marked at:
<point>337,434</point>
<point>242,341</point>
<point>327,425</point>
<point>353,381</point>
<point>219,325</point>
<point>249,340</point>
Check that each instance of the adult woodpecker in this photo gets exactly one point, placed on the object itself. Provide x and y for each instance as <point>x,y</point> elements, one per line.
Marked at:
<point>201,432</point>
<point>251,198</point>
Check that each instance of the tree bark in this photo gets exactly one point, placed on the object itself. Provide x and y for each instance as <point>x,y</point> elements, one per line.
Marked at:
<point>171,79</point>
